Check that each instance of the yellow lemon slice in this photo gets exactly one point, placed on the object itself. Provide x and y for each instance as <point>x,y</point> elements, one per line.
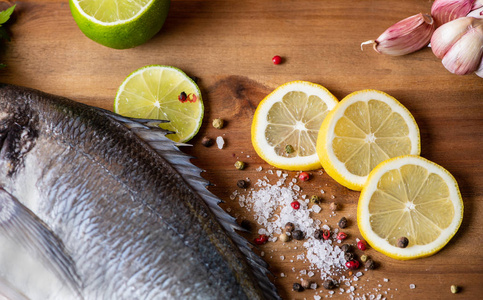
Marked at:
<point>364,129</point>
<point>286,124</point>
<point>409,197</point>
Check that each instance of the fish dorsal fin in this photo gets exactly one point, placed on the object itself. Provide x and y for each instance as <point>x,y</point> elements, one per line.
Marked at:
<point>22,226</point>
<point>155,137</point>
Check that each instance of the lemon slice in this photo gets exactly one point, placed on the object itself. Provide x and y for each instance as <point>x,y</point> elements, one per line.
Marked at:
<point>411,197</point>
<point>286,124</point>
<point>119,24</point>
<point>364,129</point>
<point>152,92</point>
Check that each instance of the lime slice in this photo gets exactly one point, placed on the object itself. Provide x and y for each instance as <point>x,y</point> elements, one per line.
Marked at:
<point>120,24</point>
<point>152,92</point>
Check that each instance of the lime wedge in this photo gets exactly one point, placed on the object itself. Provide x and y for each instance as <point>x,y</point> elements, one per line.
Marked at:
<point>153,92</point>
<point>119,24</point>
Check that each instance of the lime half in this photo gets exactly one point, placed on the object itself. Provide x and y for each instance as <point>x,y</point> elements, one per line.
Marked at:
<point>119,24</point>
<point>162,93</point>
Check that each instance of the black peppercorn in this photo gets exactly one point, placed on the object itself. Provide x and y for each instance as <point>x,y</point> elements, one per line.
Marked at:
<point>318,234</point>
<point>207,142</point>
<point>370,264</point>
<point>342,223</point>
<point>289,227</point>
<point>297,287</point>
<point>329,284</point>
<point>242,184</point>
<point>348,256</point>
<point>346,247</point>
<point>298,235</point>
<point>402,242</point>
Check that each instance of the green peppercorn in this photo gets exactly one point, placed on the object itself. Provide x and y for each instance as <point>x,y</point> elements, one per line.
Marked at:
<point>315,199</point>
<point>364,258</point>
<point>218,123</point>
<point>289,149</point>
<point>455,289</point>
<point>240,165</point>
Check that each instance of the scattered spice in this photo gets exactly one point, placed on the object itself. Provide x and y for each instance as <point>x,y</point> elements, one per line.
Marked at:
<point>297,287</point>
<point>348,256</point>
<point>261,239</point>
<point>284,238</point>
<point>352,264</point>
<point>455,289</point>
<point>207,142</point>
<point>305,283</point>
<point>242,184</point>
<point>315,199</point>
<point>364,258</point>
<point>346,248</point>
<point>304,176</point>
<point>370,264</point>
<point>329,284</point>
<point>402,242</point>
<point>240,165</point>
<point>298,235</point>
<point>295,205</point>
<point>218,123</point>
<point>326,234</point>
<point>361,245</point>
<point>276,60</point>
<point>182,97</point>
<point>342,223</point>
<point>318,234</point>
<point>333,206</point>
<point>289,227</point>
<point>341,236</point>
<point>289,149</point>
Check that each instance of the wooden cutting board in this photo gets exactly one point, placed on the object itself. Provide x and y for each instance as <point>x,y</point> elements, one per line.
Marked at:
<point>229,46</point>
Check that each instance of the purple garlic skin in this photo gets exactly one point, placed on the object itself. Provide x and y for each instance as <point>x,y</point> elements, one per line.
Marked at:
<point>444,11</point>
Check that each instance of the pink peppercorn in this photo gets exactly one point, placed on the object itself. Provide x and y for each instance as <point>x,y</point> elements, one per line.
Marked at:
<point>295,205</point>
<point>341,236</point>
<point>304,176</point>
<point>262,239</point>
<point>352,264</point>
<point>361,245</point>
<point>326,234</point>
<point>182,97</point>
<point>276,60</point>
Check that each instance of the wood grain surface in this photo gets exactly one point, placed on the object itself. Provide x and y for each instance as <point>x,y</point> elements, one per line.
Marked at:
<point>229,46</point>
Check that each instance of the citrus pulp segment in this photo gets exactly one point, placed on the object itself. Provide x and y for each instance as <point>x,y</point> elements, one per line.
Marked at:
<point>120,24</point>
<point>364,129</point>
<point>411,197</point>
<point>152,93</point>
<point>286,124</point>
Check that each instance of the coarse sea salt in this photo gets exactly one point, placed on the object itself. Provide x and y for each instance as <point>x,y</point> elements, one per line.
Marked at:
<point>220,142</point>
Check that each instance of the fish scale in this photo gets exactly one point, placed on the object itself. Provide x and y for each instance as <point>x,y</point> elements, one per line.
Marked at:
<point>112,205</point>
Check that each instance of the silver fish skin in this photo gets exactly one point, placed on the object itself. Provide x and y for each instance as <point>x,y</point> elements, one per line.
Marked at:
<point>97,206</point>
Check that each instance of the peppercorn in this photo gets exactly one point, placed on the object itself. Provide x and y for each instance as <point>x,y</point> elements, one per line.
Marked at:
<point>289,227</point>
<point>361,245</point>
<point>342,223</point>
<point>315,199</point>
<point>218,123</point>
<point>305,283</point>
<point>297,287</point>
<point>326,234</point>
<point>333,206</point>
<point>348,256</point>
<point>242,184</point>
<point>276,59</point>
<point>341,236</point>
<point>284,238</point>
<point>455,289</point>
<point>346,247</point>
<point>352,264</point>
<point>402,242</point>
<point>295,205</point>
<point>289,149</point>
<point>329,284</point>
<point>298,235</point>
<point>245,224</point>
<point>370,264</point>
<point>207,142</point>
<point>261,239</point>
<point>304,176</point>
<point>318,234</point>
<point>240,165</point>
<point>182,97</point>
<point>364,258</point>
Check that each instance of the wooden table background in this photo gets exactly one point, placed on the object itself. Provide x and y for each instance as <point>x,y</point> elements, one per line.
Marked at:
<point>229,46</point>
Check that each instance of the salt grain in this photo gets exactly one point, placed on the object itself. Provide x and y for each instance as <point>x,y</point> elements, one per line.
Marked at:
<point>412,286</point>
<point>316,208</point>
<point>220,142</point>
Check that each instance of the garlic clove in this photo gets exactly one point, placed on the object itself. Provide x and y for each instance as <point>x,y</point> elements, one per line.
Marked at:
<point>446,35</point>
<point>465,55</point>
<point>404,37</point>
<point>479,72</point>
<point>444,11</point>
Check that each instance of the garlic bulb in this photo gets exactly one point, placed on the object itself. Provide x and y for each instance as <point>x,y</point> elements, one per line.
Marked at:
<point>444,11</point>
<point>406,36</point>
<point>459,44</point>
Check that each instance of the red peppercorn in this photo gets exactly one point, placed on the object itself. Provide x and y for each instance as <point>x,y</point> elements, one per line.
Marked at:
<point>341,236</point>
<point>352,264</point>
<point>326,234</point>
<point>295,205</point>
<point>261,239</point>
<point>304,176</point>
<point>182,97</point>
<point>276,59</point>
<point>361,245</point>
